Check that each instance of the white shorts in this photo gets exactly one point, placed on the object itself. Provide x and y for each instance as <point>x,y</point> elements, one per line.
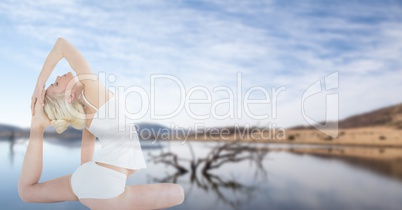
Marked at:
<point>91,180</point>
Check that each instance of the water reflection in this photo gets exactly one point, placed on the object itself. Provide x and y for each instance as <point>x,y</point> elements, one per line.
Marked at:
<point>12,141</point>
<point>201,170</point>
<point>389,168</point>
<point>226,176</point>
<point>228,152</point>
<point>11,149</point>
<point>214,186</point>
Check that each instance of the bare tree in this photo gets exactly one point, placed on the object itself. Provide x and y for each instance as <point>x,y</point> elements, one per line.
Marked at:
<point>219,155</point>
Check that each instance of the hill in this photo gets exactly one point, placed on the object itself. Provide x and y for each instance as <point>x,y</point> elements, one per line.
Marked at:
<point>152,131</point>
<point>387,117</point>
<point>145,131</point>
<point>10,131</point>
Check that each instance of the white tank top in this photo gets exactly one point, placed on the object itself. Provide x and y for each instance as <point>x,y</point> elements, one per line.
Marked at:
<point>118,148</point>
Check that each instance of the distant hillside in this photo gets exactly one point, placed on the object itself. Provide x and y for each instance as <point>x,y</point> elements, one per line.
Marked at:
<point>145,131</point>
<point>152,131</point>
<point>4,127</point>
<point>10,131</point>
<point>389,116</point>
<point>151,127</point>
<point>70,133</point>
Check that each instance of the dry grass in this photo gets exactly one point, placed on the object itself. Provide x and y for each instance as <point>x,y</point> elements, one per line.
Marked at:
<point>368,136</point>
<point>379,143</point>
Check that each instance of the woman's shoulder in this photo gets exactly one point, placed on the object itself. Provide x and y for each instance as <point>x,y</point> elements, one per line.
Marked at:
<point>96,94</point>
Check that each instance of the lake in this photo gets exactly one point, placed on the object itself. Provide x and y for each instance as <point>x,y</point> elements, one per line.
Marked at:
<point>260,179</point>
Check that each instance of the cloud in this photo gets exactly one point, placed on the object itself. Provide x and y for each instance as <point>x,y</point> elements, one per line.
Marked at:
<point>205,43</point>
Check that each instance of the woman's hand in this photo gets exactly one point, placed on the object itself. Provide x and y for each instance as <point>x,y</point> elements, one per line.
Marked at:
<point>37,96</point>
<point>40,118</point>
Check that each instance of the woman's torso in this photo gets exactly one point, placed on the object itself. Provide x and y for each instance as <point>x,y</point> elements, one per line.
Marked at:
<point>96,126</point>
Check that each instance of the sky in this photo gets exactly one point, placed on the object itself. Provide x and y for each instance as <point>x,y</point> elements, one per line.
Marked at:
<point>164,55</point>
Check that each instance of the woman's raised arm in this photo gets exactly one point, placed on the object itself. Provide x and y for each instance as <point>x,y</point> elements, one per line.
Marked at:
<point>63,48</point>
<point>29,188</point>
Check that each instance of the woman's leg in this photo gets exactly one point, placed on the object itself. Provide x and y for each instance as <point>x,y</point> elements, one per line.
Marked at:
<point>28,187</point>
<point>148,196</point>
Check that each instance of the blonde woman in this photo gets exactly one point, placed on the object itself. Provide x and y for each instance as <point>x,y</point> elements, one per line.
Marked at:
<point>99,183</point>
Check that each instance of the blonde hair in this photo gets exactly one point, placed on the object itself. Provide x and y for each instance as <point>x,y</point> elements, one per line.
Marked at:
<point>62,114</point>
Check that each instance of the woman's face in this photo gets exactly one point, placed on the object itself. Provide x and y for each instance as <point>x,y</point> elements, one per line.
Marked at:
<point>59,86</point>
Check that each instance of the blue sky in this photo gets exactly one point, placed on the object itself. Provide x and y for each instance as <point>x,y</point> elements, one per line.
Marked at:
<point>206,43</point>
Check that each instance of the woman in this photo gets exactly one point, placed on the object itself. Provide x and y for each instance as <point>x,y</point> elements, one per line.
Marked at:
<point>98,183</point>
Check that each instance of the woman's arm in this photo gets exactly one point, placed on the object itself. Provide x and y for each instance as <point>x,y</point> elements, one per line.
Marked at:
<point>28,187</point>
<point>32,167</point>
<point>63,48</point>
<point>87,146</point>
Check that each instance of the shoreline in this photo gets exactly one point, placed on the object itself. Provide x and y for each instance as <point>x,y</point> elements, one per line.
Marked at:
<point>371,143</point>
<point>367,136</point>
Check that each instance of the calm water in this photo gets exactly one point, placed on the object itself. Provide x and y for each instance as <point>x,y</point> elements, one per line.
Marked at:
<point>282,181</point>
